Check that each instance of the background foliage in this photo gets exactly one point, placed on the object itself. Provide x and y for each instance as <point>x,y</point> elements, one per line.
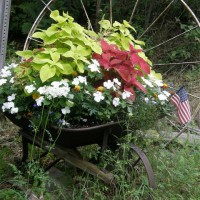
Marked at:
<point>174,21</point>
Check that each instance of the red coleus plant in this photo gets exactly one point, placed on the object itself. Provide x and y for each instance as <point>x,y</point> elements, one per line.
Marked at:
<point>127,64</point>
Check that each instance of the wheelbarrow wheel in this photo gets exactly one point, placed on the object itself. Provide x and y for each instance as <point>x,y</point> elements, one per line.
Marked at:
<point>133,170</point>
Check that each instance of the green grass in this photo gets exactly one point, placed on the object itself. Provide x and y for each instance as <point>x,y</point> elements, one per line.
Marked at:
<point>176,171</point>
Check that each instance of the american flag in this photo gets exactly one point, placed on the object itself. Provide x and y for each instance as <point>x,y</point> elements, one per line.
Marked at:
<point>180,100</point>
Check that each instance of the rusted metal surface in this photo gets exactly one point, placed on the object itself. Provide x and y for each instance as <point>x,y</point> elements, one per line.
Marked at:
<point>146,164</point>
<point>73,157</point>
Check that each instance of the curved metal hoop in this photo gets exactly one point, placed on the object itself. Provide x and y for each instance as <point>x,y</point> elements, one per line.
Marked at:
<point>42,13</point>
<point>146,164</point>
<point>35,24</point>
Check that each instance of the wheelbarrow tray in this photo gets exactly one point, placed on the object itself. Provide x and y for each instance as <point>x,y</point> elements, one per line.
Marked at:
<point>75,137</point>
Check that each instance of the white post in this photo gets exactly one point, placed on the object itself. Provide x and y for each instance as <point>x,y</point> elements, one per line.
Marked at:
<point>4,25</point>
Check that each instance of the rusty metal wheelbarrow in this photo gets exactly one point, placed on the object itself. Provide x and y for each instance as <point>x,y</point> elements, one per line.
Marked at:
<point>67,141</point>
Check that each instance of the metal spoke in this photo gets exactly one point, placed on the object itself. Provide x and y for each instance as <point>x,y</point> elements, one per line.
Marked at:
<point>87,15</point>
<point>156,19</point>
<point>172,38</point>
<point>35,40</point>
<point>37,21</point>
<point>45,5</point>
<point>180,63</point>
<point>189,9</point>
<point>134,8</point>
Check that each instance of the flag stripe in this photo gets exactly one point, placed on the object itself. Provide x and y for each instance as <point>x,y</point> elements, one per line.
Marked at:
<point>180,100</point>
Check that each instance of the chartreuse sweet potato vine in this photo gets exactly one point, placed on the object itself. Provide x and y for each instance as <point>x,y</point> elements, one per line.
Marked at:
<point>68,47</point>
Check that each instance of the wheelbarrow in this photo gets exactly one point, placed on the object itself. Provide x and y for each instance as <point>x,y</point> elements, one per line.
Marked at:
<point>69,139</point>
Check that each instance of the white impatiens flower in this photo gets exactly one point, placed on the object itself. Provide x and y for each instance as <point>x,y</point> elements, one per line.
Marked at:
<point>94,67</point>
<point>79,79</point>
<point>126,94</point>
<point>116,81</point>
<point>12,80</point>
<point>82,79</point>
<point>3,81</point>
<point>75,81</point>
<point>58,89</point>
<point>147,82</point>
<point>30,88</point>
<point>5,72</point>
<point>159,83</point>
<point>13,65</point>
<point>162,97</point>
<point>7,106</point>
<point>95,62</point>
<point>39,101</point>
<point>98,96</point>
<point>65,123</point>
<point>108,84</point>
<point>116,101</point>
<point>166,93</point>
<point>64,83</point>
<point>146,99</point>
<point>14,110</point>
<point>11,97</point>
<point>56,84</point>
<point>65,110</point>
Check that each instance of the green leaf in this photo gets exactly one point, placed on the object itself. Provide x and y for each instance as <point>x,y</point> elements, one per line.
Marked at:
<point>25,54</point>
<point>46,102</point>
<point>142,55</point>
<point>69,54</point>
<point>125,42</point>
<point>91,33</point>
<point>128,25</point>
<point>59,65</point>
<point>139,42</point>
<point>36,66</point>
<point>50,40</point>
<point>51,31</point>
<point>67,29</point>
<point>54,14</point>
<point>55,56</point>
<point>105,24</point>
<point>40,61</point>
<point>116,24</point>
<point>83,51</point>
<point>69,18</point>
<point>69,103</point>
<point>157,76</point>
<point>80,66</point>
<point>47,72</point>
<point>62,50</point>
<point>40,35</point>
<point>67,69</point>
<point>96,48</point>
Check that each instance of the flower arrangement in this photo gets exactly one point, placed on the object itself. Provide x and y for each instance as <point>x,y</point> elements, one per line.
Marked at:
<point>78,76</point>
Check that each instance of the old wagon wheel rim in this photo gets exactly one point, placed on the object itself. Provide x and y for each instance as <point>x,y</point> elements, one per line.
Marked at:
<point>136,4</point>
<point>146,163</point>
<point>138,164</point>
<point>134,148</point>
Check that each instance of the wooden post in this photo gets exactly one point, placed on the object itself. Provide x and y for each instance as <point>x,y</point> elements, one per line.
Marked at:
<point>4,25</point>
